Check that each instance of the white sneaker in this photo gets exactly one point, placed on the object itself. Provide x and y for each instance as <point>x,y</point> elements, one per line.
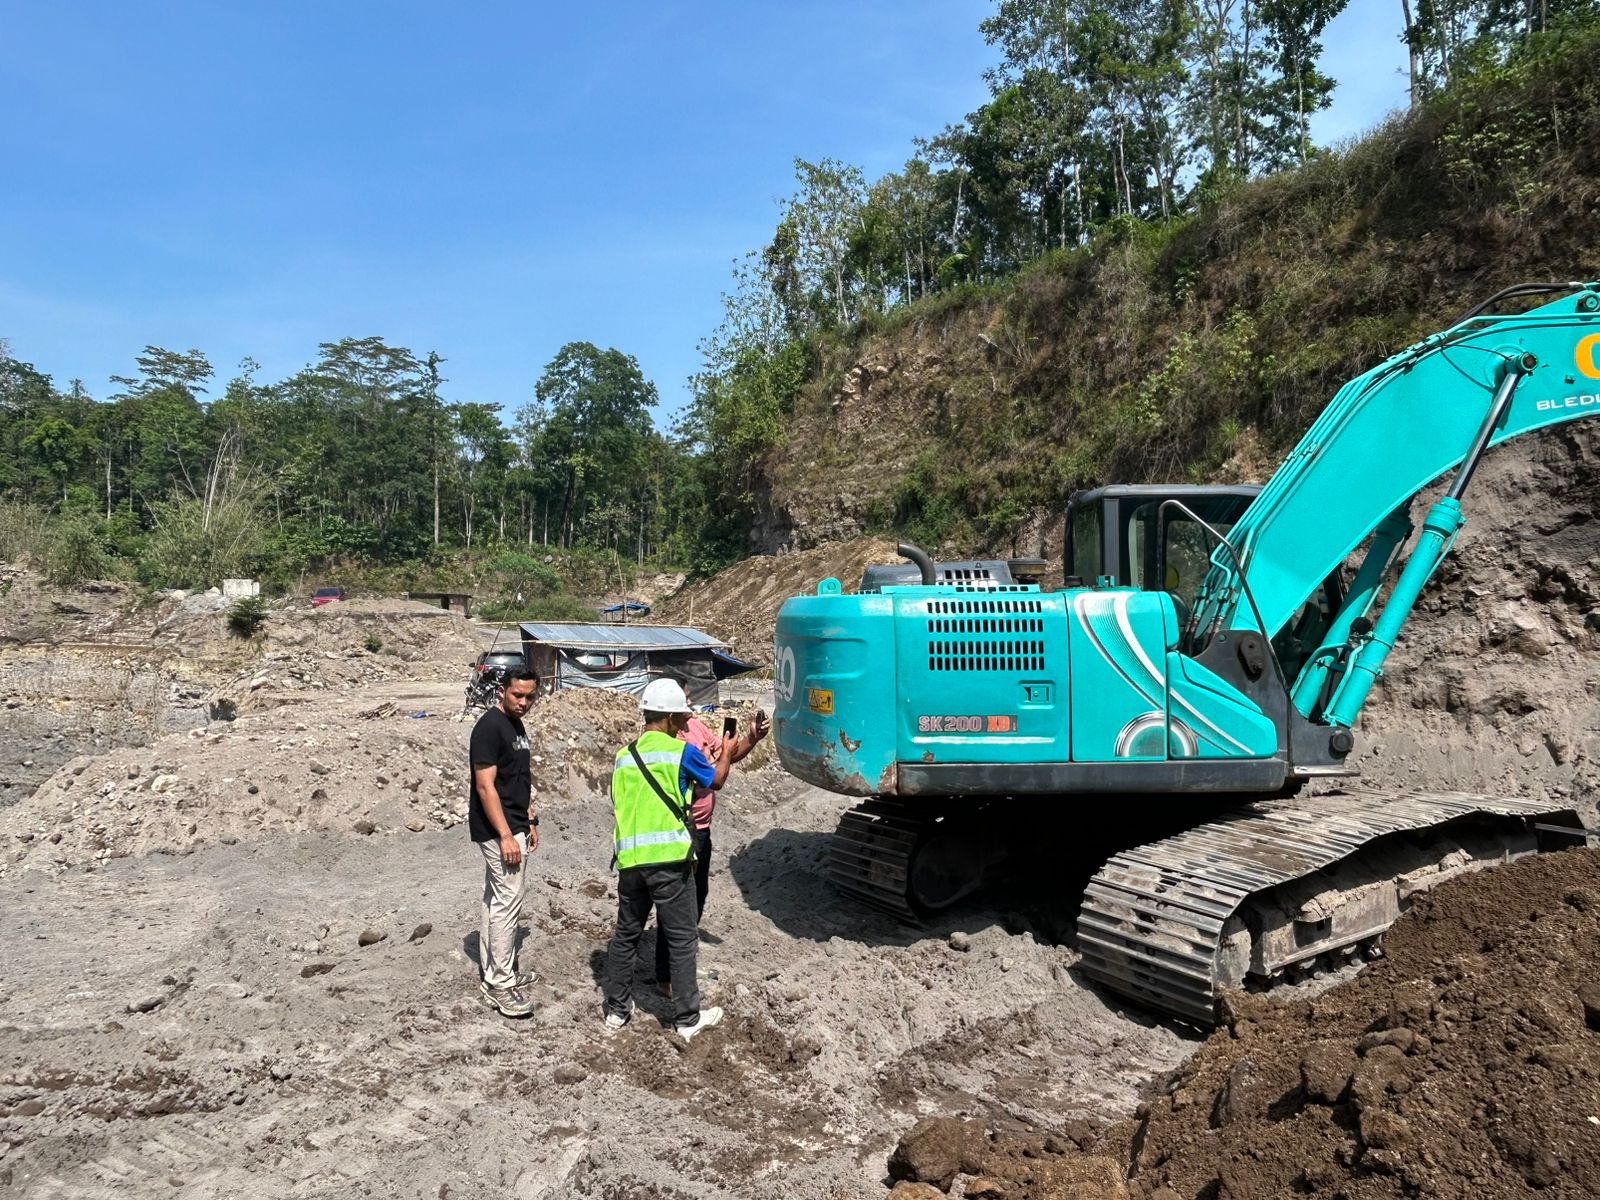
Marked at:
<point>707,1018</point>
<point>615,1022</point>
<point>509,1001</point>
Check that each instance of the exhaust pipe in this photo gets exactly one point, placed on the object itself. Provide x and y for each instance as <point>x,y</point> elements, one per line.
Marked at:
<point>924,563</point>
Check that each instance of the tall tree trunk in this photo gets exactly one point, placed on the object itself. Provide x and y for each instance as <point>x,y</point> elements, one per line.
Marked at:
<point>435,501</point>
<point>564,525</point>
<point>1411,51</point>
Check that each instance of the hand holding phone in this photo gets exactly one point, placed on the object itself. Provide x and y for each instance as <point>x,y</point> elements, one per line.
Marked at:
<point>730,727</point>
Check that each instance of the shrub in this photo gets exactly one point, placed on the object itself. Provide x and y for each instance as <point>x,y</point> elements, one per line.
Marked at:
<point>559,607</point>
<point>246,616</point>
<point>373,643</point>
<point>196,544</point>
<point>23,533</point>
<point>74,553</point>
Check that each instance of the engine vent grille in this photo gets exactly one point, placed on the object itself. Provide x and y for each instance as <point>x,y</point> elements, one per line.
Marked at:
<point>985,606</point>
<point>986,655</point>
<point>964,574</point>
<point>1006,617</point>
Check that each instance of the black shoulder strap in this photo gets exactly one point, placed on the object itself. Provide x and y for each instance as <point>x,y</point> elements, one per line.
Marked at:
<point>655,785</point>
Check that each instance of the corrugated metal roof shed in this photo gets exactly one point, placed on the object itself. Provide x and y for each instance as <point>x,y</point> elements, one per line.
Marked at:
<point>619,637</point>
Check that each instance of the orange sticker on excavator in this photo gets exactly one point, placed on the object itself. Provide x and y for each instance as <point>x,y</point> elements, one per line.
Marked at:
<point>1585,356</point>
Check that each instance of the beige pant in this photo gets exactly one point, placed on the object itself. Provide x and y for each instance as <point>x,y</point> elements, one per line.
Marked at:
<point>502,907</point>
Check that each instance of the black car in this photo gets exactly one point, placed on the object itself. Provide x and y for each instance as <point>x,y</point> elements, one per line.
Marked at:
<point>489,671</point>
<point>498,663</point>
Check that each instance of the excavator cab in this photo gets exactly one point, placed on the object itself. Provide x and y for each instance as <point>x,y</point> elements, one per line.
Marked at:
<point>1133,535</point>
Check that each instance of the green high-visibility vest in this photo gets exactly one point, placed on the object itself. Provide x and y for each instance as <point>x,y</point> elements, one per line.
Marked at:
<point>647,832</point>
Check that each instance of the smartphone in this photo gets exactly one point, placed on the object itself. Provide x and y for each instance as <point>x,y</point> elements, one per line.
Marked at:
<point>730,726</point>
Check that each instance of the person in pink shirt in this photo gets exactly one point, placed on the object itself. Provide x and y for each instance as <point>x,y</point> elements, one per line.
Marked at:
<point>709,743</point>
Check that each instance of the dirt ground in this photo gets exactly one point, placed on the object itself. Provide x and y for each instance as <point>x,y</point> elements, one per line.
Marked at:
<point>208,831</point>
<point>189,1010</point>
<point>1464,1064</point>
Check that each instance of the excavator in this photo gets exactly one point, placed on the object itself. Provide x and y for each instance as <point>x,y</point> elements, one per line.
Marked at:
<point>1199,676</point>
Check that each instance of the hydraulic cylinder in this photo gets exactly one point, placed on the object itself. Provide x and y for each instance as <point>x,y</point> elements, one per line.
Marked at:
<point>1392,531</point>
<point>1366,664</point>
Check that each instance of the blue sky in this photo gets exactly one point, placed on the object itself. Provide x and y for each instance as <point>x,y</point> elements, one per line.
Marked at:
<point>487,180</point>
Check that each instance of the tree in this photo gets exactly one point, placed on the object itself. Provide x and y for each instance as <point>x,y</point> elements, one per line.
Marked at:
<point>1294,29</point>
<point>55,446</point>
<point>482,443</point>
<point>821,218</point>
<point>593,418</point>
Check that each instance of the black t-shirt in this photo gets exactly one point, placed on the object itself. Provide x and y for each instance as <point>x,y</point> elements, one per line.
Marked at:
<point>501,742</point>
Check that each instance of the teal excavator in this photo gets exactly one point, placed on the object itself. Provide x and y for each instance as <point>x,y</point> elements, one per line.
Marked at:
<point>1206,660</point>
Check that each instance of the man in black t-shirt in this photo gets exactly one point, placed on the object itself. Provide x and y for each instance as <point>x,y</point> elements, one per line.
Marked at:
<point>506,831</point>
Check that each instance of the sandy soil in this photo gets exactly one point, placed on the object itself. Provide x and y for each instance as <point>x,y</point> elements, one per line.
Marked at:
<point>278,1057</point>
<point>189,1010</point>
<point>186,1007</point>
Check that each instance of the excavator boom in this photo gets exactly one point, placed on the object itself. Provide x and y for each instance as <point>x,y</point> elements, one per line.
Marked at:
<point>1389,433</point>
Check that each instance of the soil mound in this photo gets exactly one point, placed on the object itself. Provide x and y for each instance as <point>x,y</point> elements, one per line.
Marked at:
<point>740,604</point>
<point>1464,1064</point>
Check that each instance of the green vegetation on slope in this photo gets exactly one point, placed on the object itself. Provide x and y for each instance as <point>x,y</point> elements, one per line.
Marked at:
<point>1199,347</point>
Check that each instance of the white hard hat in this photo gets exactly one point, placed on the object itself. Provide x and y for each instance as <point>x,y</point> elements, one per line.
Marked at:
<point>664,696</point>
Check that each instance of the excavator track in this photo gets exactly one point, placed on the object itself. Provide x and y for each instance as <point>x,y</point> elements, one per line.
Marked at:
<point>910,860</point>
<point>1282,888</point>
<point>870,856</point>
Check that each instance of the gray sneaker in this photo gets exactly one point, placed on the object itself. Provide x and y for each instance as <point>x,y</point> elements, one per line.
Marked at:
<point>707,1018</point>
<point>510,1001</point>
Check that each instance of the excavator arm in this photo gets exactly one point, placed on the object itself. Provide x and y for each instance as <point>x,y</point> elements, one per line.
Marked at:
<point>1434,408</point>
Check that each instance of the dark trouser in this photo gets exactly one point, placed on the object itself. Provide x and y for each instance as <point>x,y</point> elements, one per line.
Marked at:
<point>702,884</point>
<point>670,889</point>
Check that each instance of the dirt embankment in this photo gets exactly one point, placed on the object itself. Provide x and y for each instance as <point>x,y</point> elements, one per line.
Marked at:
<point>1495,682</point>
<point>1465,1064</point>
<point>740,604</point>
<point>90,670</point>
<point>347,717</point>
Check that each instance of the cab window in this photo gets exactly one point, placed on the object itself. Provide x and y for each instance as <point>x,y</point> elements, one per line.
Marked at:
<point>1181,564</point>
<point>1088,563</point>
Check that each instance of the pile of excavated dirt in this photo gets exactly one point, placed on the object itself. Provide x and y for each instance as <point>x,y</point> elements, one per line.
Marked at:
<point>740,604</point>
<point>324,755</point>
<point>1464,1064</point>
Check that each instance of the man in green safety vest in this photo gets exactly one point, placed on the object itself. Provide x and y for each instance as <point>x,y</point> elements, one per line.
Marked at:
<point>652,789</point>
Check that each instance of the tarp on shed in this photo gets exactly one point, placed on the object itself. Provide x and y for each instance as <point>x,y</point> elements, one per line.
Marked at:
<point>625,658</point>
